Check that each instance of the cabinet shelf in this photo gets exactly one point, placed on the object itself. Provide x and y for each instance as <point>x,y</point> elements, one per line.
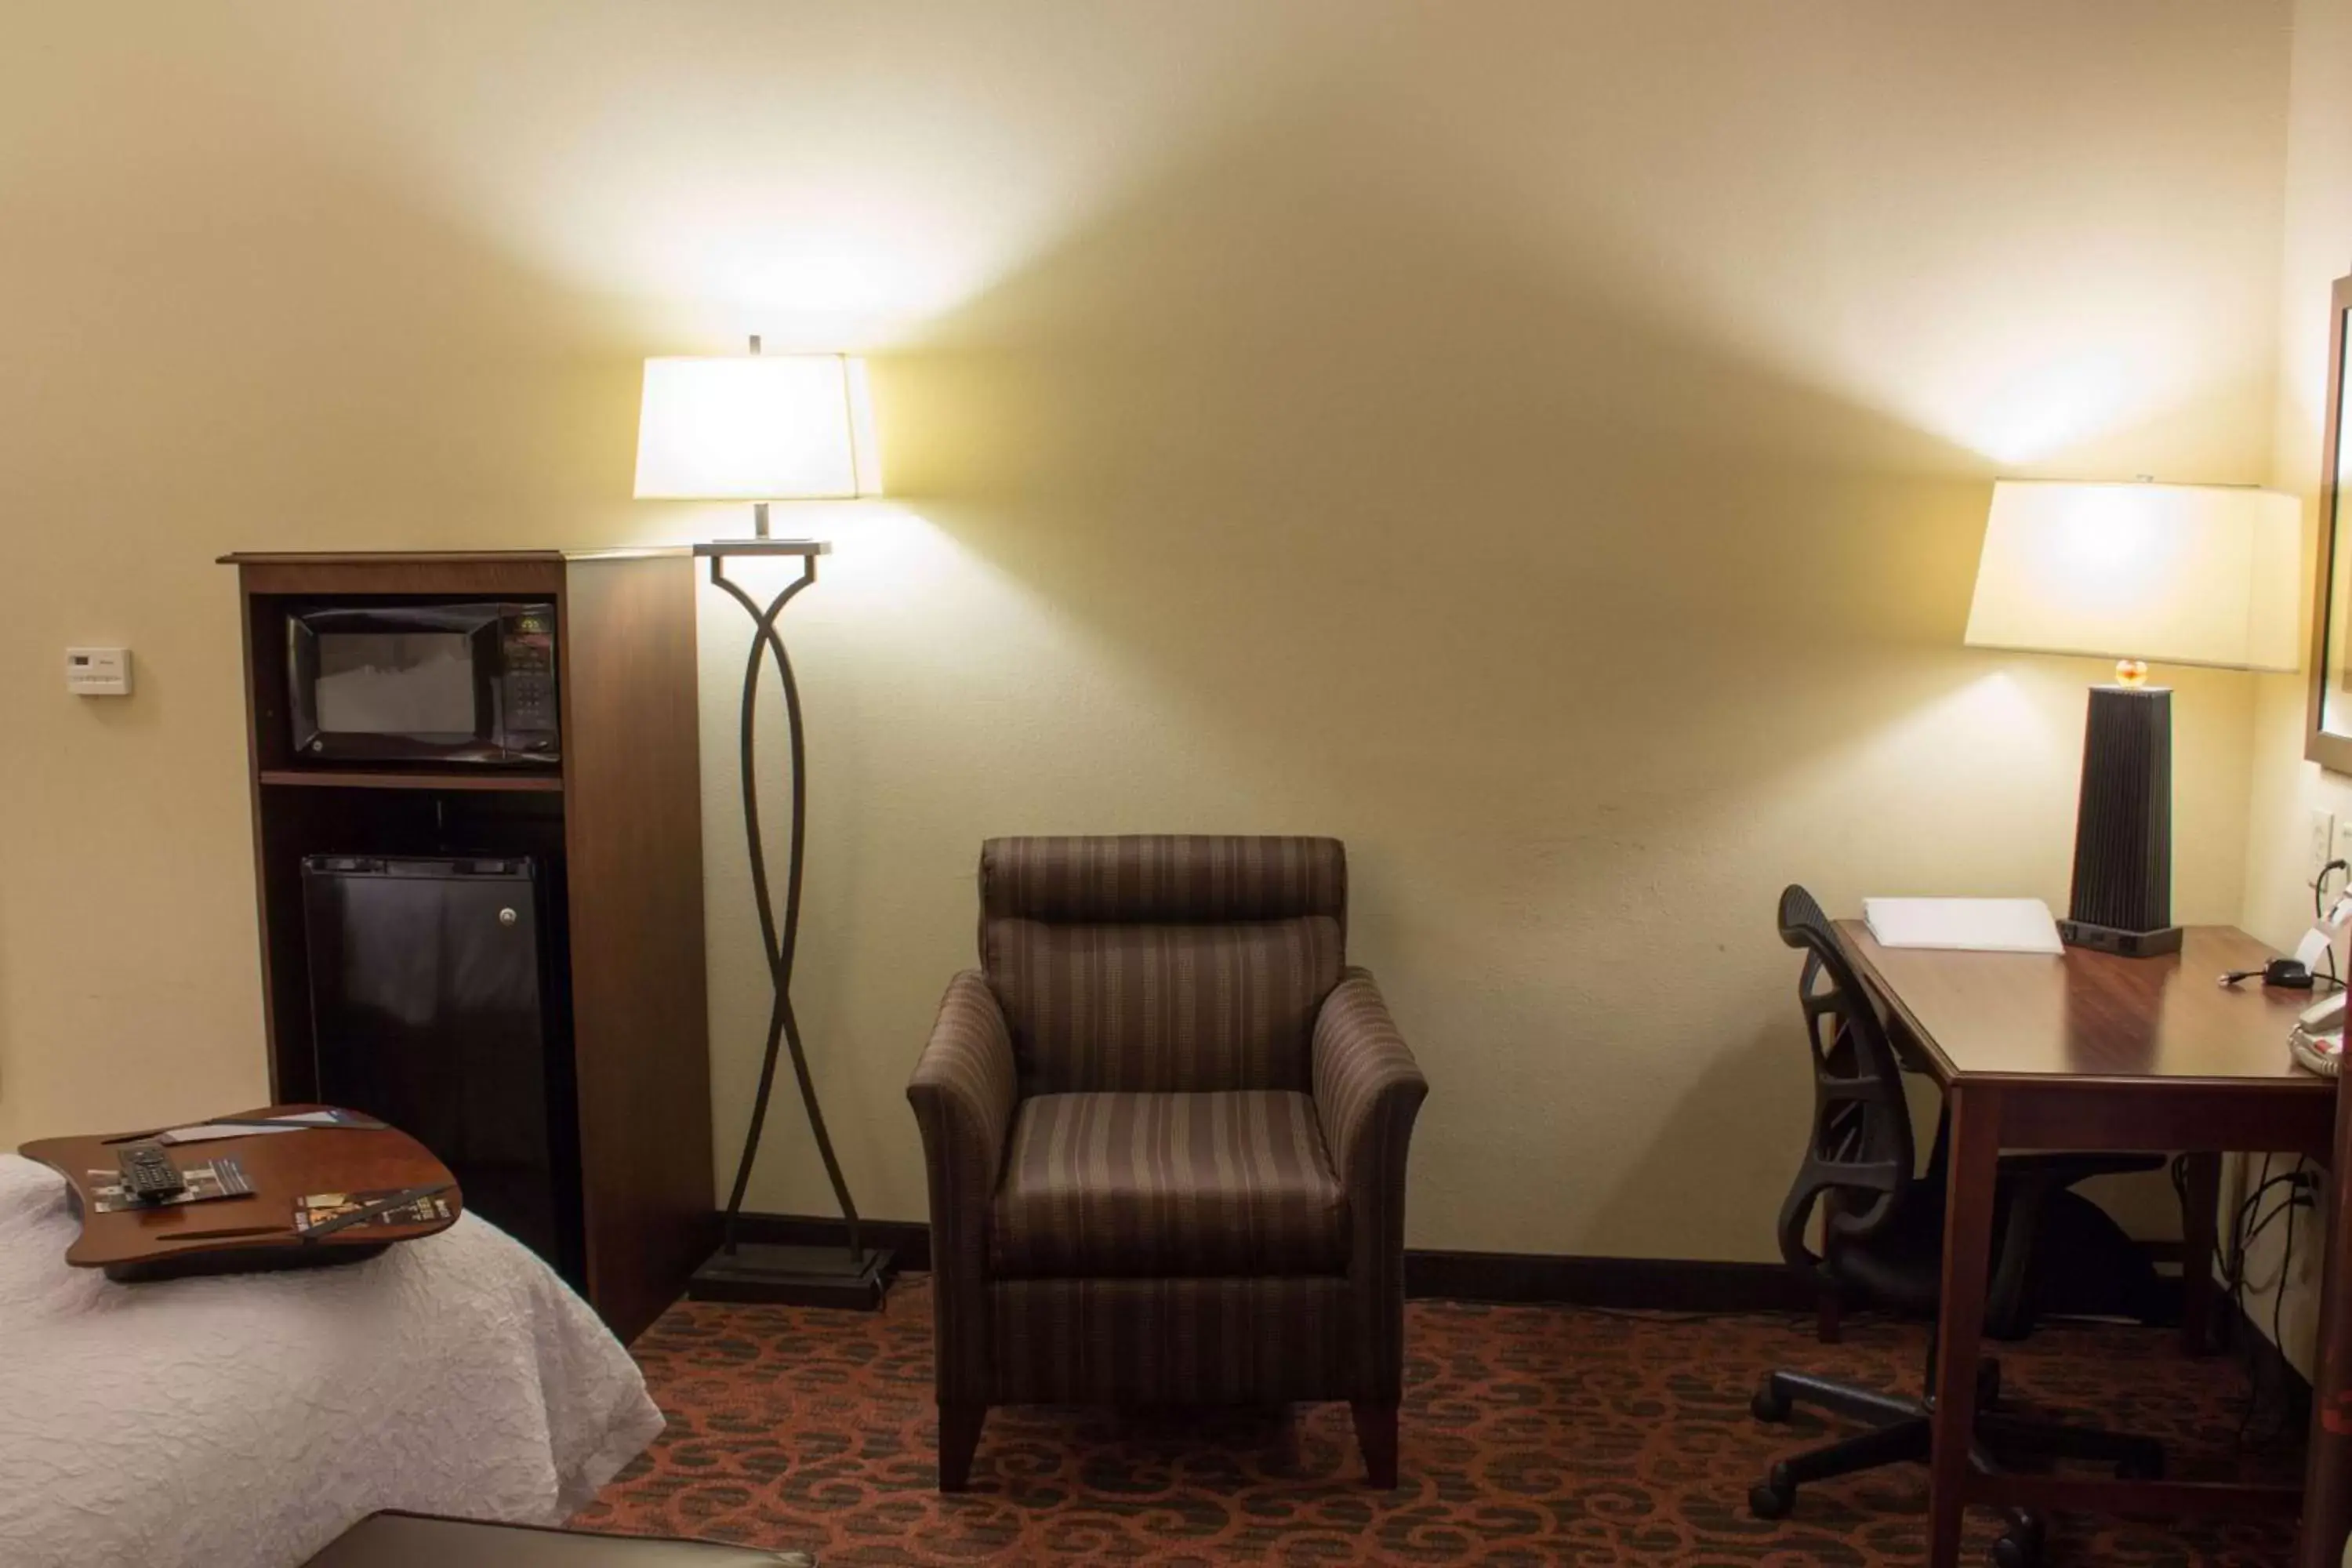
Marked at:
<point>352,778</point>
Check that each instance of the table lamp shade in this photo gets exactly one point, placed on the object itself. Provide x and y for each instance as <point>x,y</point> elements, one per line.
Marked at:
<point>758,427</point>
<point>2180,574</point>
<point>2203,574</point>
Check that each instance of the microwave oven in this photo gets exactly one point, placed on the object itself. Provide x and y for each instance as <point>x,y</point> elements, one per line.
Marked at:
<point>473,683</point>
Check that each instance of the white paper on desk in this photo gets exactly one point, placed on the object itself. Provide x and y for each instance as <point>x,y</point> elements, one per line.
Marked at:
<point>1976,925</point>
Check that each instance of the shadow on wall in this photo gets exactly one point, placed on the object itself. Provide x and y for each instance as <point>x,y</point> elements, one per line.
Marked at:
<point>1381,505</point>
<point>1453,549</point>
<point>242,344</point>
<point>321,360</point>
<point>1734,1140</point>
<point>10,1064</point>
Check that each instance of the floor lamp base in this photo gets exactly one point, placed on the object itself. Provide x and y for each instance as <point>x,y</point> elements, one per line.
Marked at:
<point>781,1275</point>
<point>2125,944</point>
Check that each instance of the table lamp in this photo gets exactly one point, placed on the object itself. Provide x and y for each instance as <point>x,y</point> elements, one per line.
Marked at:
<point>763,428</point>
<point>2196,574</point>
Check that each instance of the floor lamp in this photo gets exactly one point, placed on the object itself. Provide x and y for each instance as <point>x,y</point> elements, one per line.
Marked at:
<point>762,428</point>
<point>2198,575</point>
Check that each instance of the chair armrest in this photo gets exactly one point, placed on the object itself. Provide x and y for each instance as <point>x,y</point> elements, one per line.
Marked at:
<point>1367,1090</point>
<point>964,1091</point>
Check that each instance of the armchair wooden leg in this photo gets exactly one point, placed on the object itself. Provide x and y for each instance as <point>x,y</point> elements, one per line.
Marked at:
<point>1375,1435</point>
<point>959,1440</point>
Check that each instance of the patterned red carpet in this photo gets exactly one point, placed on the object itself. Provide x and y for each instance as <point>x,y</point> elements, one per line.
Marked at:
<point>1533,1436</point>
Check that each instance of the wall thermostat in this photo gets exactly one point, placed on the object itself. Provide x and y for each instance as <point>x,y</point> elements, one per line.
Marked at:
<point>98,672</point>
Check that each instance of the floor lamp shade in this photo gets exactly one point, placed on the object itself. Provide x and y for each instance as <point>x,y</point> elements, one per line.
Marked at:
<point>2198,574</point>
<point>755,427</point>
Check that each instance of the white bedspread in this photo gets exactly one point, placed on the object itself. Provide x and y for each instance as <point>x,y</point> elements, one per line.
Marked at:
<point>245,1421</point>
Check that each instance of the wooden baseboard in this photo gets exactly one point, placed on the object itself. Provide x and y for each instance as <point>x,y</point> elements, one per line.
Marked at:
<point>1665,1284</point>
<point>1656,1284</point>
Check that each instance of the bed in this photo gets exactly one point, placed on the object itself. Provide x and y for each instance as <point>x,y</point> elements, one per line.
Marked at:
<point>245,1421</point>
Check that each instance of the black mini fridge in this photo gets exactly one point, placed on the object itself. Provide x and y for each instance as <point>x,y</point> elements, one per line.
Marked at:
<point>430,990</point>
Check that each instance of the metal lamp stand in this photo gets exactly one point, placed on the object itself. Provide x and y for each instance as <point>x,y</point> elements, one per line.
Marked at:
<point>854,1275</point>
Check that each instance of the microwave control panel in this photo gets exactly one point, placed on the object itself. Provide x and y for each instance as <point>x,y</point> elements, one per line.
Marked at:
<point>529,655</point>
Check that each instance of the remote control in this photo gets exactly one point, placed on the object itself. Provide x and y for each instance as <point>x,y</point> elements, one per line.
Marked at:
<point>148,1174</point>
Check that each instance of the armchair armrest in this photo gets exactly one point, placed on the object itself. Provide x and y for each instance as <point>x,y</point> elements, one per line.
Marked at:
<point>1367,1090</point>
<point>964,1090</point>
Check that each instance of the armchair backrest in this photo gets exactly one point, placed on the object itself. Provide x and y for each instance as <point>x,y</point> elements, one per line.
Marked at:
<point>1163,963</point>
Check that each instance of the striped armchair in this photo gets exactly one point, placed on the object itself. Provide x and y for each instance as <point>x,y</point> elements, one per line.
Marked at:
<point>1166,1131</point>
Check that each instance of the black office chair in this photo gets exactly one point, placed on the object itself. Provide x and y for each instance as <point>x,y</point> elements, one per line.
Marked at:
<point>1883,1241</point>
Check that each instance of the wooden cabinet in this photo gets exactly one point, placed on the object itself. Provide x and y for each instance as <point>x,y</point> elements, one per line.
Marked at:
<point>616,828</point>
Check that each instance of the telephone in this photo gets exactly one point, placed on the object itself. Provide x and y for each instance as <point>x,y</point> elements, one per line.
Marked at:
<point>2316,1041</point>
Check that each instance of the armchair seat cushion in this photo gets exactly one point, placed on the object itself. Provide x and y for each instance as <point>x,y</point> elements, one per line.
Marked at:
<point>1166,1185</point>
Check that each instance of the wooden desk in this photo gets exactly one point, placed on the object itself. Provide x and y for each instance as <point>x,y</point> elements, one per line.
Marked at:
<point>2089,1051</point>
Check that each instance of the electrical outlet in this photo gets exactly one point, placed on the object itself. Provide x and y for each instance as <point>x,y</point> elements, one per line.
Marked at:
<point>2344,837</point>
<point>2322,847</point>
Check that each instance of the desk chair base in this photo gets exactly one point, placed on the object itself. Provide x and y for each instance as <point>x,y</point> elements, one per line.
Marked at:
<point>1900,1433</point>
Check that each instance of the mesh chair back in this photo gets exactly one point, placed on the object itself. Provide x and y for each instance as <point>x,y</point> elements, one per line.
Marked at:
<point>1860,1145</point>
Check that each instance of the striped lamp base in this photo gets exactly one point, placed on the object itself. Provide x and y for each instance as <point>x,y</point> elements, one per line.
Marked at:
<point>2123,827</point>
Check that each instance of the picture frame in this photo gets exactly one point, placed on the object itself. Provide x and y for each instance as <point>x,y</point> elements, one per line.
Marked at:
<point>2329,726</point>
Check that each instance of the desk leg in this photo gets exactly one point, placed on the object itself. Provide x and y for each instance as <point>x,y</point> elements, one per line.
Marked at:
<point>2200,1233</point>
<point>2327,1465</point>
<point>1975,1168</point>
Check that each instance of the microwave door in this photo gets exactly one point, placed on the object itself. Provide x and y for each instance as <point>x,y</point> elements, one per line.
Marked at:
<point>394,684</point>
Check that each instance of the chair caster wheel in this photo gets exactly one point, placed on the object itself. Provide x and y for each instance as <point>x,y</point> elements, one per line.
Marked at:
<point>1770,1405</point>
<point>1774,1496</point>
<point>2018,1549</point>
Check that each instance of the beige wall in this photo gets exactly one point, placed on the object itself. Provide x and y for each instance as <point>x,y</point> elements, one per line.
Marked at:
<point>2317,250</point>
<point>1545,444</point>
